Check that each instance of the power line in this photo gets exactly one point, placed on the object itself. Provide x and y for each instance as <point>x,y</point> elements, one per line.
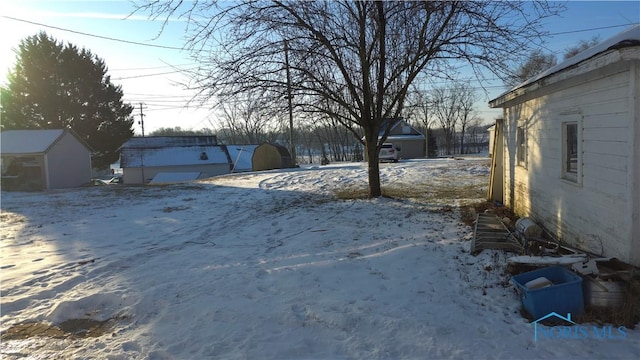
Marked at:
<point>182,49</point>
<point>147,75</point>
<point>154,68</point>
<point>93,35</point>
<point>592,29</point>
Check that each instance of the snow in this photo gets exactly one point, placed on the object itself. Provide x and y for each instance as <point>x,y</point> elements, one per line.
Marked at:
<point>28,141</point>
<point>173,177</point>
<point>270,265</point>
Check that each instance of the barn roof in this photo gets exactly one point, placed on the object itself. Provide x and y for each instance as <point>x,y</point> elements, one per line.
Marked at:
<point>627,38</point>
<point>282,150</point>
<point>173,156</point>
<point>150,142</point>
<point>172,151</point>
<point>30,141</point>
<point>400,121</point>
<point>241,156</point>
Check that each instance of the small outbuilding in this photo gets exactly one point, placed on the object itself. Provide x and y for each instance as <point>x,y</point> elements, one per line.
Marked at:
<point>44,159</point>
<point>143,158</point>
<point>270,156</point>
<point>567,153</point>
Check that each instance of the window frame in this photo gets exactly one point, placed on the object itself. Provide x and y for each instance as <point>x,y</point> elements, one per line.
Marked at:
<point>521,146</point>
<point>568,173</point>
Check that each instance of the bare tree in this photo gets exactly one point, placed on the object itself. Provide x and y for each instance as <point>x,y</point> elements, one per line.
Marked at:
<point>580,47</point>
<point>247,116</point>
<point>418,107</point>
<point>466,111</point>
<point>359,55</point>
<point>478,135</point>
<point>536,63</point>
<point>539,61</point>
<point>446,111</point>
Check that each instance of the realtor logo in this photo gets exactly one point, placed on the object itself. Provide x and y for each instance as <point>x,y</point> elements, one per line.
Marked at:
<point>573,331</point>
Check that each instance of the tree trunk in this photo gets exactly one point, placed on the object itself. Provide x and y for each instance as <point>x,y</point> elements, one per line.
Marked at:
<point>462,141</point>
<point>373,169</point>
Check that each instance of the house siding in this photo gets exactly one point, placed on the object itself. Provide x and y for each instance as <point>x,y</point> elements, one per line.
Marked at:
<point>599,208</point>
<point>634,170</point>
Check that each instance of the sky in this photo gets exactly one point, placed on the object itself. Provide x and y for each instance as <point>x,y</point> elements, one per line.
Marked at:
<point>270,265</point>
<point>143,59</point>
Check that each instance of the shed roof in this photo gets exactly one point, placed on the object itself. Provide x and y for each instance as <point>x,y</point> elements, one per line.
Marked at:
<point>150,142</point>
<point>28,141</point>
<point>627,38</point>
<point>282,150</point>
<point>400,121</point>
<point>241,156</point>
<point>173,156</point>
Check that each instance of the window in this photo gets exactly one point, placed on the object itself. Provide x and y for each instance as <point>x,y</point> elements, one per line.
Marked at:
<point>571,166</point>
<point>521,147</point>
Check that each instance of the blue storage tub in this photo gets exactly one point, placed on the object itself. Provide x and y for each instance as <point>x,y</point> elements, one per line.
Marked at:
<point>564,296</point>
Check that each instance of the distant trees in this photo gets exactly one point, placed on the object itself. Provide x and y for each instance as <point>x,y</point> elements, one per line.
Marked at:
<point>246,117</point>
<point>539,61</point>
<point>580,47</point>
<point>55,86</point>
<point>178,131</point>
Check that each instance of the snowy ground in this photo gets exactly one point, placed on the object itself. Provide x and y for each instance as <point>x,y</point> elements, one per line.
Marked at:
<point>269,266</point>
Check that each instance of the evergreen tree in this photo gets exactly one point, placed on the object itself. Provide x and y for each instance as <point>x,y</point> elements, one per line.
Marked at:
<point>55,86</point>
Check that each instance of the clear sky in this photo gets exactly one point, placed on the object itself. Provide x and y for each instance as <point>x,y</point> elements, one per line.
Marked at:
<point>143,60</point>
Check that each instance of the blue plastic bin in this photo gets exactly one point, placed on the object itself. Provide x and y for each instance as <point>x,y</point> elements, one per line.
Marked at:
<point>564,296</point>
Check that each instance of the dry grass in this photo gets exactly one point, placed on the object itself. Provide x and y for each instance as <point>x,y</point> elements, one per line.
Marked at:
<point>443,194</point>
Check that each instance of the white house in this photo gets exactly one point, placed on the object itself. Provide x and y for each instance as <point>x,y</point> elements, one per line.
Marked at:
<point>44,159</point>
<point>568,149</point>
<point>172,159</point>
<point>410,141</point>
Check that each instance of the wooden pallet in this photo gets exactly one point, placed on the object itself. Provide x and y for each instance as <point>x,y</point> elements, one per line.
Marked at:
<point>491,233</point>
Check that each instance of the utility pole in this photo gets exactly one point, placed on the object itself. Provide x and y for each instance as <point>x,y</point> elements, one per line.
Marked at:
<point>290,100</point>
<point>141,122</point>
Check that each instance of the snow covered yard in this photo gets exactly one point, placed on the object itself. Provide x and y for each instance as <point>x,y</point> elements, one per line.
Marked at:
<point>267,265</point>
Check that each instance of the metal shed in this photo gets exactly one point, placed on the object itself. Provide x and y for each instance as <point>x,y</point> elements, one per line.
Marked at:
<point>142,158</point>
<point>269,156</point>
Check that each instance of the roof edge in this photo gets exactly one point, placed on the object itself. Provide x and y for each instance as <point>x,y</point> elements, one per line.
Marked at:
<point>627,38</point>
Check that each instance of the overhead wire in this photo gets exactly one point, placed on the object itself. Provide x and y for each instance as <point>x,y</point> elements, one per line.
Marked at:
<point>183,49</point>
<point>94,35</point>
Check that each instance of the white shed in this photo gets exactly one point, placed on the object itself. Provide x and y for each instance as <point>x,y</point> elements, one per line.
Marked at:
<point>44,159</point>
<point>571,149</point>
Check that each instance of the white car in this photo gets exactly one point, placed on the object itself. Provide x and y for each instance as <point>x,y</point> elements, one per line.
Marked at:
<point>388,152</point>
